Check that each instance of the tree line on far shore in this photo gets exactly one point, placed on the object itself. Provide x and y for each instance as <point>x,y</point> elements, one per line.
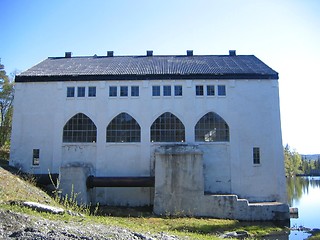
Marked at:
<point>297,164</point>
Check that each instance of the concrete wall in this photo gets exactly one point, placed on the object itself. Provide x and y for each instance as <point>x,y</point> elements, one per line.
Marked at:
<point>179,190</point>
<point>178,180</point>
<point>217,167</point>
<point>72,181</point>
<point>251,109</point>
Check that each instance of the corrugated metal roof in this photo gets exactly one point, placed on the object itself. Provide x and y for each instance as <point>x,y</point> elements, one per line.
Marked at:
<point>148,67</point>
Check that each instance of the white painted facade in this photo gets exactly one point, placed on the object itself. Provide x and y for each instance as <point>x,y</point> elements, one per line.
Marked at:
<point>250,108</point>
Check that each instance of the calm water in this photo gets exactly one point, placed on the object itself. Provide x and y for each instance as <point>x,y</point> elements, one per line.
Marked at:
<point>304,193</point>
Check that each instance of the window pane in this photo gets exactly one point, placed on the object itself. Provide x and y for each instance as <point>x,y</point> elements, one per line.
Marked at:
<point>123,91</point>
<point>134,91</point>
<point>81,91</point>
<point>199,90</point>
<point>221,90</point>
<point>178,90</point>
<point>123,128</point>
<point>155,90</point>
<point>256,155</point>
<point>80,128</point>
<point>210,90</point>
<point>70,91</point>
<point>166,90</point>
<point>211,128</point>
<point>36,157</point>
<point>112,91</point>
<point>167,128</point>
<point>92,92</point>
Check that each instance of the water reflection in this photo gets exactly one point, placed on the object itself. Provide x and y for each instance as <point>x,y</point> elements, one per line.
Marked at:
<point>304,194</point>
<point>300,186</point>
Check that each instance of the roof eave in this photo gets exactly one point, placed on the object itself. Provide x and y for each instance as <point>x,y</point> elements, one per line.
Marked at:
<point>62,78</point>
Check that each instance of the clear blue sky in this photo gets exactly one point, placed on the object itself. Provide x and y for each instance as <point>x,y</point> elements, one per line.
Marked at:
<point>285,34</point>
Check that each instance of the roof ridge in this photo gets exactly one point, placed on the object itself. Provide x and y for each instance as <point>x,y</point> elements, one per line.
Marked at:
<point>178,55</point>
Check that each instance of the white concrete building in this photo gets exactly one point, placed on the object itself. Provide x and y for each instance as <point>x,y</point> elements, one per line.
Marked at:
<point>110,114</point>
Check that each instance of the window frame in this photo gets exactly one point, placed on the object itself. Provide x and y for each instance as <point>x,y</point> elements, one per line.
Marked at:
<point>73,92</point>
<point>222,90</point>
<point>156,91</point>
<point>211,90</point>
<point>256,155</point>
<point>35,157</point>
<point>92,91</point>
<point>135,91</point>
<point>123,128</point>
<point>178,92</point>
<point>113,91</point>
<point>167,90</point>
<point>79,129</point>
<point>124,91</point>
<point>199,90</point>
<point>167,128</point>
<point>211,128</point>
<point>81,92</point>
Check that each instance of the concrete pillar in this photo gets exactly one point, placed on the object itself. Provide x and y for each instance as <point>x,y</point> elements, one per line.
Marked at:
<point>178,180</point>
<point>73,182</point>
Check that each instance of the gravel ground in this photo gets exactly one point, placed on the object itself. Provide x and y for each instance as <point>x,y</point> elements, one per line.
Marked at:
<point>21,226</point>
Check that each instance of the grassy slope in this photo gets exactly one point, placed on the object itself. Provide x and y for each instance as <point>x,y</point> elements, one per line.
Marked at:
<point>13,188</point>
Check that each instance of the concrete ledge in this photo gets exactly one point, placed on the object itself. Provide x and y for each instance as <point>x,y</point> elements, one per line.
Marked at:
<point>180,149</point>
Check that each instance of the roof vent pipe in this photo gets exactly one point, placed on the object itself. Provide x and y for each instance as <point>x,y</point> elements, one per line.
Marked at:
<point>189,52</point>
<point>110,53</point>
<point>149,53</point>
<point>67,54</point>
<point>232,52</point>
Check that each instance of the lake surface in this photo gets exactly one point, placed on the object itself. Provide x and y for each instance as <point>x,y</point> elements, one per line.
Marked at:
<point>304,194</point>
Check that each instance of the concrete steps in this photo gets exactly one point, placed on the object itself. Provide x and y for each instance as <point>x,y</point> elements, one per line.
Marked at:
<point>232,207</point>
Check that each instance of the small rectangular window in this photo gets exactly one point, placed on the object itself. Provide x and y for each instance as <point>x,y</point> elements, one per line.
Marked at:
<point>155,90</point>
<point>135,91</point>
<point>70,91</point>
<point>167,90</point>
<point>123,91</point>
<point>112,91</point>
<point>178,90</point>
<point>210,90</point>
<point>92,91</point>
<point>199,90</point>
<point>221,90</point>
<point>81,92</point>
<point>256,155</point>
<point>36,157</point>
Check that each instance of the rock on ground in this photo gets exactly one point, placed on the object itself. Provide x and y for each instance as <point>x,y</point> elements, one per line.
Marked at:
<point>43,207</point>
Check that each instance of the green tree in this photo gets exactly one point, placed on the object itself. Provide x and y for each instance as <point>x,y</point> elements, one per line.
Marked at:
<point>293,162</point>
<point>297,162</point>
<point>317,163</point>
<point>6,109</point>
<point>288,161</point>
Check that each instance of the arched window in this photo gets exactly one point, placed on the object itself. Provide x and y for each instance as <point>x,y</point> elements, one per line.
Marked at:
<point>80,128</point>
<point>167,128</point>
<point>211,128</point>
<point>123,128</point>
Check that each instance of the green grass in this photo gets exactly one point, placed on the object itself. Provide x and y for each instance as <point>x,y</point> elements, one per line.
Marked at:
<point>195,228</point>
<point>315,235</point>
<point>199,228</point>
<point>15,189</point>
